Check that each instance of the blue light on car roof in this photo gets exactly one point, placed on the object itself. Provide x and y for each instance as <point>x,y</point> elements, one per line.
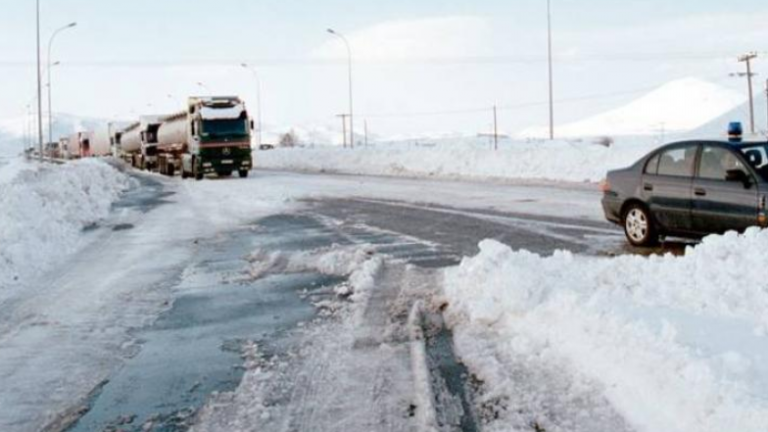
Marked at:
<point>735,132</point>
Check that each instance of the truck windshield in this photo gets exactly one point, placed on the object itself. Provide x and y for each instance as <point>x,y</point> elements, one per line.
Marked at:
<point>757,156</point>
<point>236,128</point>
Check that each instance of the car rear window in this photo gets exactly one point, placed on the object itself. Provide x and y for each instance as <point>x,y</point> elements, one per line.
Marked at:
<point>653,165</point>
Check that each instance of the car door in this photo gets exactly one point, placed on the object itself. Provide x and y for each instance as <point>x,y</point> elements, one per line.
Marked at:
<point>721,203</point>
<point>667,187</point>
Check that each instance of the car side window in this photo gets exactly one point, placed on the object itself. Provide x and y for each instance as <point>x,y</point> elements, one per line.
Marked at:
<point>678,162</point>
<point>652,167</point>
<point>717,161</point>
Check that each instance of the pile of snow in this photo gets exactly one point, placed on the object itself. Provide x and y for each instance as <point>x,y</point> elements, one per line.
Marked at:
<point>357,262</point>
<point>677,107</point>
<point>581,161</point>
<point>662,343</point>
<point>45,208</point>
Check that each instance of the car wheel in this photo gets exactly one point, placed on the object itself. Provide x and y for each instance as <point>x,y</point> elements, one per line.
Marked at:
<point>638,226</point>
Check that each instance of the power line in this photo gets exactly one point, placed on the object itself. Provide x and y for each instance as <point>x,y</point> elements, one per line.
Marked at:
<point>479,60</point>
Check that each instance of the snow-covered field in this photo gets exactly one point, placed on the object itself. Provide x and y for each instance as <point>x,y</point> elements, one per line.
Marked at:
<point>672,343</point>
<point>46,208</point>
<point>571,161</point>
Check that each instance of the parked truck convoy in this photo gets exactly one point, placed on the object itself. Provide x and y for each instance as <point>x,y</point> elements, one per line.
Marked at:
<point>212,135</point>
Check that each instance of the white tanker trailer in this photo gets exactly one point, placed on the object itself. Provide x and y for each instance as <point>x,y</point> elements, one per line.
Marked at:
<point>77,145</point>
<point>212,136</point>
<point>138,142</point>
<point>100,144</point>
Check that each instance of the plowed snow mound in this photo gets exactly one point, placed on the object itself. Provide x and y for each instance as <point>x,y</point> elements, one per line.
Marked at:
<point>672,343</point>
<point>46,208</point>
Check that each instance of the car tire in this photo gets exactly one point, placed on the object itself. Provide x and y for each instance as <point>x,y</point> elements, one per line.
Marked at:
<point>639,227</point>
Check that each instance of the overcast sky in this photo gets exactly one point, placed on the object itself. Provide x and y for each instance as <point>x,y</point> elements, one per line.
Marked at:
<point>420,66</point>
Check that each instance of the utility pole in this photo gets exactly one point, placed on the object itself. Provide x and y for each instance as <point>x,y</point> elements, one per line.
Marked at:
<point>495,130</point>
<point>344,127</point>
<point>747,58</point>
<point>766,95</point>
<point>39,90</point>
<point>365,125</point>
<point>551,79</point>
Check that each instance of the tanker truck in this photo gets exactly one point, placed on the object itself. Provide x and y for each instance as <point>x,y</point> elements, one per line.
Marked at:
<point>212,136</point>
<point>100,145</point>
<point>78,145</point>
<point>138,143</point>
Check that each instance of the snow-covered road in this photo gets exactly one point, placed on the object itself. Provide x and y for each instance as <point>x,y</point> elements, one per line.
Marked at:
<point>70,328</point>
<point>316,281</point>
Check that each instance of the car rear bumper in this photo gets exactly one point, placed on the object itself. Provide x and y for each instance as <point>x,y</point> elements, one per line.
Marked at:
<point>612,208</point>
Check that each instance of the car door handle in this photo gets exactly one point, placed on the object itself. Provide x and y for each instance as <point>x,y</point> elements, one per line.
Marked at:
<point>700,192</point>
<point>648,187</point>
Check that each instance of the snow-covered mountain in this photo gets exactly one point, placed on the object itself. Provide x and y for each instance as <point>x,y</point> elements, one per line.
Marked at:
<point>718,128</point>
<point>676,107</point>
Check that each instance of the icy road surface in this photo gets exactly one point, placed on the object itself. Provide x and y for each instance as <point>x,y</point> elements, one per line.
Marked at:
<point>223,305</point>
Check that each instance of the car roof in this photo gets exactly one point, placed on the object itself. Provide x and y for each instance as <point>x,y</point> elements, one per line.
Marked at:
<point>723,142</point>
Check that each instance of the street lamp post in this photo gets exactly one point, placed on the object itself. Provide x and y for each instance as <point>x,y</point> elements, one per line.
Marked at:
<point>50,103</point>
<point>258,97</point>
<point>351,105</point>
<point>551,85</point>
<point>39,89</point>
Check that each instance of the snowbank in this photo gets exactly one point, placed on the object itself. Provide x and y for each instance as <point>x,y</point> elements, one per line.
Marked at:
<point>555,161</point>
<point>669,343</point>
<point>45,208</point>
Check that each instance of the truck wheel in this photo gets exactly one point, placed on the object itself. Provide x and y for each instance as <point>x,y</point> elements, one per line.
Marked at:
<point>171,170</point>
<point>639,228</point>
<point>243,173</point>
<point>196,171</point>
<point>183,173</point>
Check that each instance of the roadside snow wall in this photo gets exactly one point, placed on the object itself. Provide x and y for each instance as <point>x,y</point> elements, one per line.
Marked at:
<point>551,161</point>
<point>668,343</point>
<point>43,210</point>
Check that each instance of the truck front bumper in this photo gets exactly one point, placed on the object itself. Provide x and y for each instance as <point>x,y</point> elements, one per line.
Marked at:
<point>226,166</point>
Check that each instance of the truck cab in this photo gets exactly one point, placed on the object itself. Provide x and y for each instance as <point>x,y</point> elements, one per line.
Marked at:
<point>219,137</point>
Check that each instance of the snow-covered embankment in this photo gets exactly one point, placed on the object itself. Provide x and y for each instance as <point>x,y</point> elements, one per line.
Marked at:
<point>671,343</point>
<point>551,161</point>
<point>45,208</point>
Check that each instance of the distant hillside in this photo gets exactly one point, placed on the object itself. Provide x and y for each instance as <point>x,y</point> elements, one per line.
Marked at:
<point>677,107</point>
<point>718,128</point>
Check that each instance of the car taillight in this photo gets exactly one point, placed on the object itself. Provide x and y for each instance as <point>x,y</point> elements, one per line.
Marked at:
<point>605,186</point>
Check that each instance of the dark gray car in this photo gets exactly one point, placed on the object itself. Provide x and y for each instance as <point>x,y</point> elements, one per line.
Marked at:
<point>689,189</point>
